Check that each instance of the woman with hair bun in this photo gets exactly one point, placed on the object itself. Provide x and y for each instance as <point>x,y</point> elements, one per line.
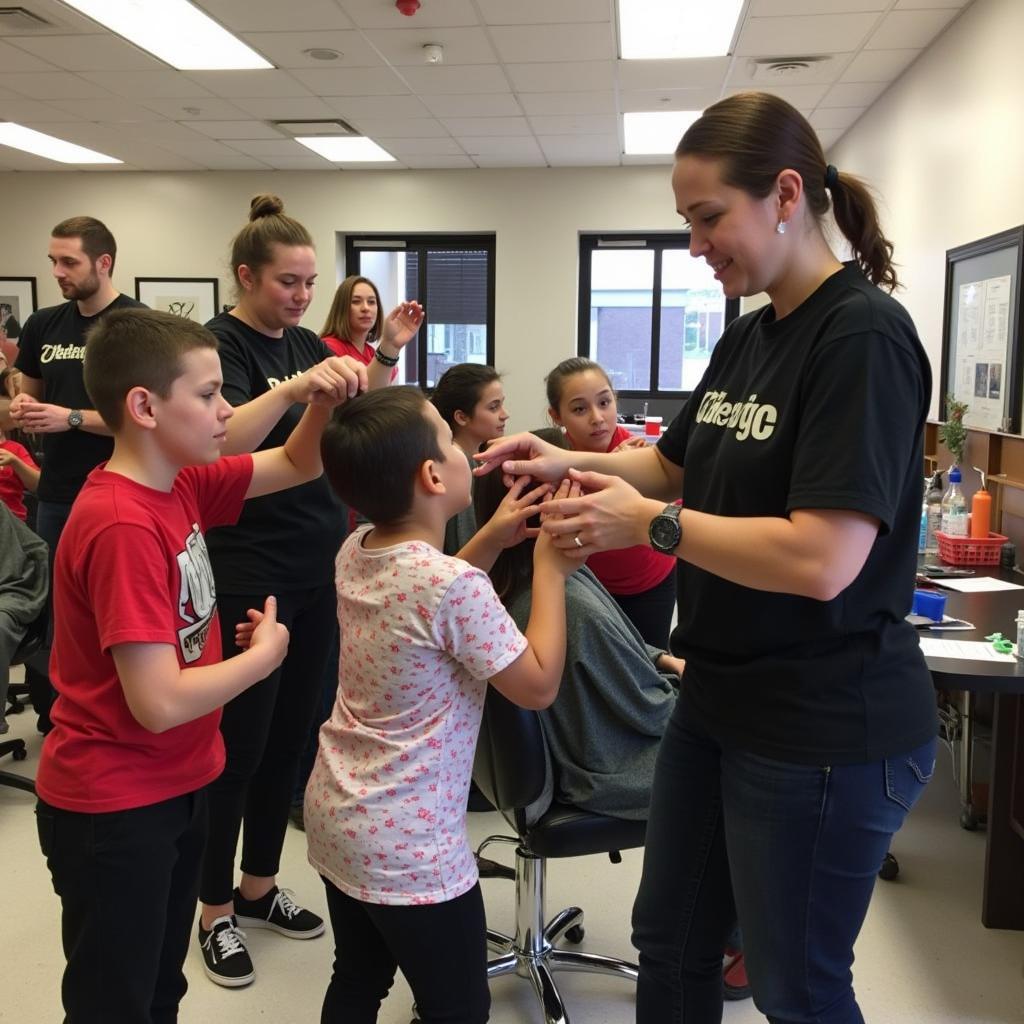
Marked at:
<point>284,544</point>
<point>806,724</point>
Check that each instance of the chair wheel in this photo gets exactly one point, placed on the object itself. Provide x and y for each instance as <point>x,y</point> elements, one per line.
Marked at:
<point>20,754</point>
<point>890,868</point>
<point>575,934</point>
<point>968,819</point>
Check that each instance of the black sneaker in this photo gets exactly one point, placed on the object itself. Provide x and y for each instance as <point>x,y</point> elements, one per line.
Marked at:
<point>279,911</point>
<point>225,958</point>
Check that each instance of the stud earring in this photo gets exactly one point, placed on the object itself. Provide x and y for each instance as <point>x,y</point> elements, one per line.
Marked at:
<point>780,228</point>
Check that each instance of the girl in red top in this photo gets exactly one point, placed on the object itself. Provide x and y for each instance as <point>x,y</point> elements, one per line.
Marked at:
<point>18,474</point>
<point>581,401</point>
<point>355,322</point>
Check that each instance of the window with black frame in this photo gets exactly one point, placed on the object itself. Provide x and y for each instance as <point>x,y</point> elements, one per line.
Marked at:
<point>649,312</point>
<point>452,276</point>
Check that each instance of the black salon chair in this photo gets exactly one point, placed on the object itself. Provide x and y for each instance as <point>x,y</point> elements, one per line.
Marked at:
<point>512,770</point>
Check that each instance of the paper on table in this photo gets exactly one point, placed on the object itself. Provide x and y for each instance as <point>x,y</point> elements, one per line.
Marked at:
<point>976,584</point>
<point>968,650</point>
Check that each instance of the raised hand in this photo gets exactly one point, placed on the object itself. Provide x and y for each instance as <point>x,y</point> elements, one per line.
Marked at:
<point>402,323</point>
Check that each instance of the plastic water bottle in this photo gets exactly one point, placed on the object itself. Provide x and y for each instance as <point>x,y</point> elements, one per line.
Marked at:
<point>933,499</point>
<point>1019,651</point>
<point>922,537</point>
<point>954,507</point>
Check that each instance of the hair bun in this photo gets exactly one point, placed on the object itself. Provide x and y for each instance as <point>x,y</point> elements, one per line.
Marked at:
<point>265,205</point>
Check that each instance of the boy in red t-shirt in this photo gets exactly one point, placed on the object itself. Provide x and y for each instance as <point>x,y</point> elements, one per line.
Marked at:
<point>18,474</point>
<point>136,658</point>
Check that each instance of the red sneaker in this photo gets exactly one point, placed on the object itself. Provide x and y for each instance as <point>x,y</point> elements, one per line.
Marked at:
<point>734,976</point>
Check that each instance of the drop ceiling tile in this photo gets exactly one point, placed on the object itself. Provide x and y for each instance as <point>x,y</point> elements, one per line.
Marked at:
<point>751,75</point>
<point>489,126</point>
<point>53,85</point>
<point>524,146</point>
<point>401,127</point>
<point>835,117</point>
<point>586,76</point>
<point>423,147</point>
<point>247,16</point>
<point>377,106</point>
<point>391,165</point>
<point>236,129</point>
<point>152,84</point>
<point>541,12</point>
<point>823,33</point>
<point>351,81</point>
<point>781,8</point>
<point>285,49</point>
<point>434,161</point>
<point>404,47</point>
<point>580,150</point>
<point>878,65</point>
<point>210,108</point>
<point>550,104</point>
<point>301,108</point>
<point>916,5</point>
<point>23,111</point>
<point>667,99</point>
<point>804,97</point>
<point>261,148</point>
<point>909,30</point>
<point>110,109</point>
<point>435,14</point>
<point>555,42</point>
<point>249,84</point>
<point>300,162</point>
<point>829,137</point>
<point>230,160</point>
<point>467,79</point>
<point>853,94</point>
<point>21,59</point>
<point>703,72</point>
<point>494,104</point>
<point>498,161</point>
<point>575,124</point>
<point>105,52</point>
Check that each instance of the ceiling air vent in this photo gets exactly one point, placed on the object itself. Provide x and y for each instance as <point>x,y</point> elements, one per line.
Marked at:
<point>300,128</point>
<point>789,68</point>
<point>17,21</point>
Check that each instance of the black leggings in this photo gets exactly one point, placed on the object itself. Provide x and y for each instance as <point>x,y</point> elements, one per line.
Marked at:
<point>441,948</point>
<point>264,731</point>
<point>651,610</point>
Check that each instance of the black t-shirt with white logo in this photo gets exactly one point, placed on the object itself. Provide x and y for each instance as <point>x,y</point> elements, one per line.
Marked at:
<point>824,409</point>
<point>287,540</point>
<point>50,349</point>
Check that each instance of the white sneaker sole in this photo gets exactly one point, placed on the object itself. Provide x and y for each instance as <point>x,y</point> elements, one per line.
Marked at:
<point>262,922</point>
<point>219,979</point>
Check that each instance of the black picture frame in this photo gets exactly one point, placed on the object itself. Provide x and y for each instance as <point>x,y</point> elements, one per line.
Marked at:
<point>195,298</point>
<point>981,330</point>
<point>20,294</point>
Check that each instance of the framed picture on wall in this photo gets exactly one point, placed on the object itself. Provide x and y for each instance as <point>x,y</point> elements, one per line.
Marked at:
<point>195,298</point>
<point>17,302</point>
<point>981,325</point>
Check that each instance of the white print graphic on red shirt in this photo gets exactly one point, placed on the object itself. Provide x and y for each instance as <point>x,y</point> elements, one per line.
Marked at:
<point>197,596</point>
<point>748,419</point>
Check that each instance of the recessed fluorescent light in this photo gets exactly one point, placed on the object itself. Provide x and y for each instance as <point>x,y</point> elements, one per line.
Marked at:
<point>344,149</point>
<point>664,29</point>
<point>19,137</point>
<point>175,31</point>
<point>649,134</point>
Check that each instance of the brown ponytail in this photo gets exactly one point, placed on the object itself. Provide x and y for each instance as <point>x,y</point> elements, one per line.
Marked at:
<point>268,226</point>
<point>755,136</point>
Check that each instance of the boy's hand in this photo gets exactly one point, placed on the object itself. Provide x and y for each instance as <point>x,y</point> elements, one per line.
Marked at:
<point>668,663</point>
<point>401,325</point>
<point>564,561</point>
<point>263,630</point>
<point>508,526</point>
<point>8,458</point>
<point>329,383</point>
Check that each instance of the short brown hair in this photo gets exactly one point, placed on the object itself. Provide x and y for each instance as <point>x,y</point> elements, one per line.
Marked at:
<point>755,135</point>
<point>337,322</point>
<point>268,226</point>
<point>137,348</point>
<point>373,448</point>
<point>95,236</point>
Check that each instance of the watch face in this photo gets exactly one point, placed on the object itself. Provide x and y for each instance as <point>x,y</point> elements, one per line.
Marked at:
<point>74,418</point>
<point>665,532</point>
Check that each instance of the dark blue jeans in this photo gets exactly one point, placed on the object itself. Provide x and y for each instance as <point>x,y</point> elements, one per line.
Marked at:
<point>792,849</point>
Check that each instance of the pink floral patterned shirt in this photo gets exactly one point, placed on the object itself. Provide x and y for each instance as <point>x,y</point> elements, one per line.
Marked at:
<point>385,811</point>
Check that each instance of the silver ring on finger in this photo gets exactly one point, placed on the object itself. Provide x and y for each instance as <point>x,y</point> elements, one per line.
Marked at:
<point>576,540</point>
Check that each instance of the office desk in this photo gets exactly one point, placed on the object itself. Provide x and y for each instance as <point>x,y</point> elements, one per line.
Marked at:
<point>1003,893</point>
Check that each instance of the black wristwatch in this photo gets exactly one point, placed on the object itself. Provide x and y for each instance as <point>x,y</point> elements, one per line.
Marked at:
<point>665,531</point>
<point>75,419</point>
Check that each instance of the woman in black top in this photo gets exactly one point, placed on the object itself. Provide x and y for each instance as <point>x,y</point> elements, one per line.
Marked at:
<point>806,725</point>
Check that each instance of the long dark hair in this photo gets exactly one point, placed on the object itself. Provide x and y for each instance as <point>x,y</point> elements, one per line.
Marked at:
<point>459,390</point>
<point>755,135</point>
<point>512,572</point>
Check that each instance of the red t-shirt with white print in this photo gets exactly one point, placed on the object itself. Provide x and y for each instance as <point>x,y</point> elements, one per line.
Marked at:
<point>385,811</point>
<point>132,567</point>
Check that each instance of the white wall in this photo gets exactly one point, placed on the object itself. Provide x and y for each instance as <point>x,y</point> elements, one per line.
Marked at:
<point>944,147</point>
<point>171,225</point>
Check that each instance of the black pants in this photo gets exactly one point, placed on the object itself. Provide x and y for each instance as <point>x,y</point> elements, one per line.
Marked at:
<point>651,610</point>
<point>441,948</point>
<point>265,730</point>
<point>127,882</point>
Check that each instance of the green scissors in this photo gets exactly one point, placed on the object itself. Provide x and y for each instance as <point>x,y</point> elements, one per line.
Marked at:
<point>1000,643</point>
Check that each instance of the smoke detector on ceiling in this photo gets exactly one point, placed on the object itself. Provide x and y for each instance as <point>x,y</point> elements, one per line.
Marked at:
<point>789,68</point>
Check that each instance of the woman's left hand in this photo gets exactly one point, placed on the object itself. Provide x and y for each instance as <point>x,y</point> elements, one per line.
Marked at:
<point>630,442</point>
<point>402,323</point>
<point>610,514</point>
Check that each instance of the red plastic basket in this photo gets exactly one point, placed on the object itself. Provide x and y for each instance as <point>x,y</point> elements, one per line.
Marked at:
<point>970,550</point>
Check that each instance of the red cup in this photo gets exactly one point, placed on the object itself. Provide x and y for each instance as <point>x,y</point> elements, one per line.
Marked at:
<point>652,426</point>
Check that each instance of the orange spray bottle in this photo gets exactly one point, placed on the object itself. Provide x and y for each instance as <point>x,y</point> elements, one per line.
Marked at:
<point>981,510</point>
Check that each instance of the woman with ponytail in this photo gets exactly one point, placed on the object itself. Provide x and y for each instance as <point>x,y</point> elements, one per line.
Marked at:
<point>806,725</point>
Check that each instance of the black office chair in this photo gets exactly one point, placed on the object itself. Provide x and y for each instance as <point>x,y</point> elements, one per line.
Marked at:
<point>34,638</point>
<point>511,769</point>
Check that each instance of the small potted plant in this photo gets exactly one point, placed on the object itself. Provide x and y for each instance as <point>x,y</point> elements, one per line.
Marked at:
<point>953,433</point>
